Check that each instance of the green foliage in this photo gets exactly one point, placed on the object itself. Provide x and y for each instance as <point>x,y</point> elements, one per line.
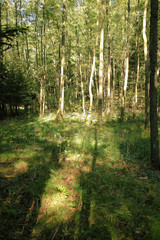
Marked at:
<point>17,87</point>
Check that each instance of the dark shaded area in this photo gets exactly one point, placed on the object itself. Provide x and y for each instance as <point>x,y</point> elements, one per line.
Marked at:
<point>134,145</point>
<point>20,195</point>
<point>86,229</point>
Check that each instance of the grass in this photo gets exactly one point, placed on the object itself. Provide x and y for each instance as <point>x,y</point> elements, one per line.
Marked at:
<point>76,180</point>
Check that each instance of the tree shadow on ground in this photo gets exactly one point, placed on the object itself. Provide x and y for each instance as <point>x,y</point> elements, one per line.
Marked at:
<point>90,227</point>
<point>21,192</point>
<point>117,201</point>
<point>132,141</point>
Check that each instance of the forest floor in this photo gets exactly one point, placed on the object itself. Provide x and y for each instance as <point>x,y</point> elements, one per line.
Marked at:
<point>75,180</point>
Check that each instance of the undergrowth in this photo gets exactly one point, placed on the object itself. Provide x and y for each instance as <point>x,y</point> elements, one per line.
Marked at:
<point>77,180</point>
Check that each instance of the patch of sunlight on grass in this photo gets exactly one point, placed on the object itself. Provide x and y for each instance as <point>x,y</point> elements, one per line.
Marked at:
<point>47,118</point>
<point>51,203</point>
<point>78,139</point>
<point>8,156</point>
<point>57,204</point>
<point>78,116</point>
<point>20,167</point>
<point>73,157</point>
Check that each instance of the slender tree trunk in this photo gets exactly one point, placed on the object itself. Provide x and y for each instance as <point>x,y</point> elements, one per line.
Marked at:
<point>82,87</point>
<point>153,88</point>
<point>125,73</point>
<point>94,61</point>
<point>40,99</point>
<point>44,57</point>
<point>138,60</point>
<point>96,81</point>
<point>158,81</point>
<point>1,47</point>
<point>43,64</point>
<point>61,99</point>
<point>109,61</point>
<point>101,64</point>
<point>36,35</point>
<point>112,84</point>
<point>146,64</point>
<point>114,79</point>
<point>127,56</point>
<point>41,79</point>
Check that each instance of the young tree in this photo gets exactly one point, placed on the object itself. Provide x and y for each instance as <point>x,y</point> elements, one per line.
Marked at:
<point>125,74</point>
<point>61,99</point>
<point>101,64</point>
<point>127,55</point>
<point>146,62</point>
<point>109,58</point>
<point>153,88</point>
<point>94,62</point>
<point>138,57</point>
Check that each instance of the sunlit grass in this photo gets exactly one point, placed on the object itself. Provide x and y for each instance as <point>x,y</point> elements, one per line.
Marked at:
<point>77,180</point>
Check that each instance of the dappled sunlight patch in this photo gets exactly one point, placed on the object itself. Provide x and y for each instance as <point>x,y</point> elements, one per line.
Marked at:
<point>58,204</point>
<point>20,167</point>
<point>73,157</point>
<point>77,116</point>
<point>78,140</point>
<point>47,118</point>
<point>8,156</point>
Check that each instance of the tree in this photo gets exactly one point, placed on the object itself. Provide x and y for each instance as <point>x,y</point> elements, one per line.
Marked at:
<point>109,58</point>
<point>101,64</point>
<point>153,88</point>
<point>61,99</point>
<point>126,61</point>
<point>94,62</point>
<point>145,61</point>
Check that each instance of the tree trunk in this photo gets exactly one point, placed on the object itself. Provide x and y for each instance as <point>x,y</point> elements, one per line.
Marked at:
<point>153,88</point>
<point>43,59</point>
<point>146,64</point>
<point>138,60</point>
<point>124,74</point>
<point>127,56</point>
<point>1,47</point>
<point>109,61</point>
<point>61,99</point>
<point>82,87</point>
<point>94,61</point>
<point>101,64</point>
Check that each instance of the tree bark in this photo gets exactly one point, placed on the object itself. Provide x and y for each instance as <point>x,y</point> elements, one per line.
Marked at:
<point>125,73</point>
<point>153,88</point>
<point>101,64</point>
<point>146,65</point>
<point>61,99</point>
<point>94,61</point>
<point>1,47</point>
<point>127,55</point>
<point>82,86</point>
<point>138,59</point>
<point>109,60</point>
